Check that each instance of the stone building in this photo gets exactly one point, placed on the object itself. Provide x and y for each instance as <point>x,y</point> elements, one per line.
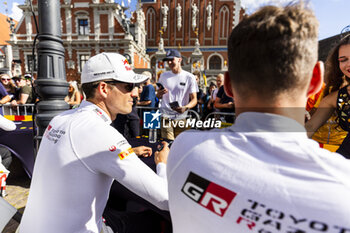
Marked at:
<point>199,29</point>
<point>88,27</point>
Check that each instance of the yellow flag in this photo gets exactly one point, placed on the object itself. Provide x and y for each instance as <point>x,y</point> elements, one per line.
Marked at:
<point>205,79</point>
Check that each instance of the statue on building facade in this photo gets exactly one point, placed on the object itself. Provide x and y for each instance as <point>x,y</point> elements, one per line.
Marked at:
<point>209,11</point>
<point>161,45</point>
<point>178,16</point>
<point>165,10</point>
<point>12,24</point>
<point>195,12</point>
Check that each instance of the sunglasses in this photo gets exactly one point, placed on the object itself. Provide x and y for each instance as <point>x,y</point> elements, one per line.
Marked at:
<point>5,79</point>
<point>127,86</point>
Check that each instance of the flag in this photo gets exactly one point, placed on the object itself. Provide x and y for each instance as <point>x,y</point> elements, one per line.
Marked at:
<point>205,78</point>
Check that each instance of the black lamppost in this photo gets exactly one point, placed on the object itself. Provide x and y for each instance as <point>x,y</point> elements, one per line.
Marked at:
<point>51,84</point>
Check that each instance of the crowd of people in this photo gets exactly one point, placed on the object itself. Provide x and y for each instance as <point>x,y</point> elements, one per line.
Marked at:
<point>262,174</point>
<point>16,90</point>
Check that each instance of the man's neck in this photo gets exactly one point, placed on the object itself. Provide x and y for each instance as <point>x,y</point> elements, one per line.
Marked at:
<point>294,109</point>
<point>102,106</point>
<point>177,71</point>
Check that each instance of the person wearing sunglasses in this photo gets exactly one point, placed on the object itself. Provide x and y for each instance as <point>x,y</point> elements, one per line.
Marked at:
<point>81,154</point>
<point>9,87</point>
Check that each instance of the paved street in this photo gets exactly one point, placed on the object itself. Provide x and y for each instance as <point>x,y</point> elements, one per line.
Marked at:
<point>17,189</point>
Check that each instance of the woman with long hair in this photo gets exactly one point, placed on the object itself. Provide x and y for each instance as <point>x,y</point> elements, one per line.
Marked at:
<point>9,85</point>
<point>74,97</point>
<point>337,93</point>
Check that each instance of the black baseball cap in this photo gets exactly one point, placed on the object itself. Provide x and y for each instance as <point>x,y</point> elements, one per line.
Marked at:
<point>171,53</point>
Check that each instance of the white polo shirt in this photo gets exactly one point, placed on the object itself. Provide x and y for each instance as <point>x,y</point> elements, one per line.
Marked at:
<point>179,86</point>
<point>79,157</point>
<point>261,175</point>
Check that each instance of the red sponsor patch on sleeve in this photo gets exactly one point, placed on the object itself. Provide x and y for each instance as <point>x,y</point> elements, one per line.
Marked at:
<point>125,153</point>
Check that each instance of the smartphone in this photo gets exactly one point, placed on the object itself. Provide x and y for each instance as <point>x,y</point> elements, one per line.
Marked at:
<point>174,104</point>
<point>160,86</point>
<point>162,146</point>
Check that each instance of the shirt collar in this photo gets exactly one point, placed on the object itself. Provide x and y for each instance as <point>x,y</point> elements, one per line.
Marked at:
<point>94,108</point>
<point>266,122</point>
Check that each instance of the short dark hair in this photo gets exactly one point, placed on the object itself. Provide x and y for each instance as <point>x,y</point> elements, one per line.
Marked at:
<point>273,50</point>
<point>89,89</point>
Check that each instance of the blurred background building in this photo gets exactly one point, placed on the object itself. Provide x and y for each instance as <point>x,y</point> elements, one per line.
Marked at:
<point>199,29</point>
<point>88,27</point>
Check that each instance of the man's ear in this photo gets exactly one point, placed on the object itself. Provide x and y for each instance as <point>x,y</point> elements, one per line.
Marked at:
<point>227,85</point>
<point>102,88</point>
<point>317,79</point>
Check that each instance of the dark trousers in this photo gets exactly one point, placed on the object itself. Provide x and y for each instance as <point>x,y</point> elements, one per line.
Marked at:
<point>344,148</point>
<point>6,157</point>
<point>126,212</point>
<point>128,127</point>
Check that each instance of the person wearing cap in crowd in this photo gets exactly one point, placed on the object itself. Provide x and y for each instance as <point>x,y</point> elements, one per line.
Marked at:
<point>178,95</point>
<point>148,94</point>
<point>81,154</point>
<point>25,95</point>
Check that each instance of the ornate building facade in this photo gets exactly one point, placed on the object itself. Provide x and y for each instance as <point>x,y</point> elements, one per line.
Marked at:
<point>199,29</point>
<point>88,27</point>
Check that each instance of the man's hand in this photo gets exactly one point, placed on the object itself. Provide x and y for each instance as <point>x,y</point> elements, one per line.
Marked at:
<point>230,105</point>
<point>143,151</point>
<point>162,156</point>
<point>161,92</point>
<point>14,103</point>
<point>180,109</point>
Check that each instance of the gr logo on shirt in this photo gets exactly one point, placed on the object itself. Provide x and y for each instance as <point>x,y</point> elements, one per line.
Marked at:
<point>208,194</point>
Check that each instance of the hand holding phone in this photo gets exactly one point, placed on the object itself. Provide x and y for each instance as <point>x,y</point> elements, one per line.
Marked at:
<point>160,86</point>
<point>174,104</point>
<point>162,146</point>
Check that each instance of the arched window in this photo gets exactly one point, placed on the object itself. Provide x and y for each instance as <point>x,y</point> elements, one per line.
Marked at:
<point>151,24</point>
<point>215,63</point>
<point>224,22</point>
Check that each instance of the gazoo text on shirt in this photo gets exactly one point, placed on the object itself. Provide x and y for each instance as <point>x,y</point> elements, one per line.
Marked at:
<point>273,220</point>
<point>192,123</point>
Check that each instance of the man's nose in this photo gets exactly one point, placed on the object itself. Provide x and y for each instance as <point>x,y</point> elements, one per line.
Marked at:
<point>135,92</point>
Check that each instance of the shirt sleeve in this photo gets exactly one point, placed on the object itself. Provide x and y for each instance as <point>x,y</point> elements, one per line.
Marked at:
<point>3,91</point>
<point>193,84</point>
<point>26,90</point>
<point>106,151</point>
<point>146,93</point>
<point>220,92</point>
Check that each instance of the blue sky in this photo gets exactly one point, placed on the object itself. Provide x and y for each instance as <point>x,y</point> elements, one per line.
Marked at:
<point>333,14</point>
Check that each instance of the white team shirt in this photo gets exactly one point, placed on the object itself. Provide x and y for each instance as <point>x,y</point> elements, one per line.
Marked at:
<point>179,86</point>
<point>261,175</point>
<point>79,157</point>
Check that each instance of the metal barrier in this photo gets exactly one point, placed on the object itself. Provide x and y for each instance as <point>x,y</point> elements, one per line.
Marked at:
<point>18,110</point>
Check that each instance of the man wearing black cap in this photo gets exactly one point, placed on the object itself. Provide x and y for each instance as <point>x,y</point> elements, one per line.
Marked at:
<point>81,154</point>
<point>178,95</point>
